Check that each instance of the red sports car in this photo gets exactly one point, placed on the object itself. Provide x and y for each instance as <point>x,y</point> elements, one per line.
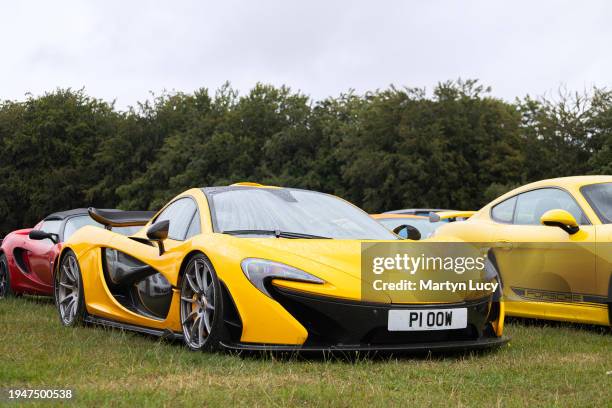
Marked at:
<point>27,256</point>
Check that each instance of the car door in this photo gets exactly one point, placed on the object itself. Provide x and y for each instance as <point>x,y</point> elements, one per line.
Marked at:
<point>40,253</point>
<point>543,263</point>
<point>599,197</point>
<point>147,291</point>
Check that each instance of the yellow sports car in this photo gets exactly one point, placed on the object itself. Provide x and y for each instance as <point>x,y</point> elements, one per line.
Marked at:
<point>552,244</point>
<point>254,267</point>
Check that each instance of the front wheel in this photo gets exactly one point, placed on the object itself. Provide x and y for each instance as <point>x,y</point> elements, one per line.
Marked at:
<point>5,278</point>
<point>68,291</point>
<point>201,305</point>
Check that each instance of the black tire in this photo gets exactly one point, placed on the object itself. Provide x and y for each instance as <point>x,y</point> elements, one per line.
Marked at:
<point>201,305</point>
<point>68,291</point>
<point>5,278</point>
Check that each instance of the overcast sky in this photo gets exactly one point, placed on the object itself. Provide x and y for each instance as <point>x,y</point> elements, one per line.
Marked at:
<point>124,49</point>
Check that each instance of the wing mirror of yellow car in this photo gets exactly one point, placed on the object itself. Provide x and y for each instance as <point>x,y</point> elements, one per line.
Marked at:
<point>158,232</point>
<point>562,219</point>
<point>407,232</point>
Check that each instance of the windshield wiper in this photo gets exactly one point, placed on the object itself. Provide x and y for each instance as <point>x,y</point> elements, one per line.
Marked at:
<point>276,233</point>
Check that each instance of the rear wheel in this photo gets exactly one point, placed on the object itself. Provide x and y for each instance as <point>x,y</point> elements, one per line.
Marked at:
<point>5,277</point>
<point>201,305</point>
<point>68,290</point>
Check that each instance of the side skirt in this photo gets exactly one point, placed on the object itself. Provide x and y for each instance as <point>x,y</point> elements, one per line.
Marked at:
<point>167,334</point>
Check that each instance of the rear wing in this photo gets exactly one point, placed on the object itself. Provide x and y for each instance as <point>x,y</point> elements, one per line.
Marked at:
<point>450,215</point>
<point>118,218</point>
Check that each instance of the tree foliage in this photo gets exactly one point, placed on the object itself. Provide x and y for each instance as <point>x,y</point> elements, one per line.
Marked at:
<point>399,147</point>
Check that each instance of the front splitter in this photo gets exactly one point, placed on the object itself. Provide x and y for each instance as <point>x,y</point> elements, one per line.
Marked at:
<point>462,345</point>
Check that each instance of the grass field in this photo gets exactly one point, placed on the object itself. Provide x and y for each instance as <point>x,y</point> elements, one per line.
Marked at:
<point>544,365</point>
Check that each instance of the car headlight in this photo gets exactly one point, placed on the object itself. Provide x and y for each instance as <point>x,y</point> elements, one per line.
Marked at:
<point>260,271</point>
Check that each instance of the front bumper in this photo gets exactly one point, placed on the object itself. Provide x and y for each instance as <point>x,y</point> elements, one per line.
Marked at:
<point>342,325</point>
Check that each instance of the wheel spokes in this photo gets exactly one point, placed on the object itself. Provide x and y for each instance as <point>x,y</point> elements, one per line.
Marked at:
<point>67,286</point>
<point>205,281</point>
<point>189,316</point>
<point>68,273</point>
<point>73,267</point>
<point>192,284</point>
<point>66,298</point>
<point>201,330</point>
<point>69,308</point>
<point>207,321</point>
<point>74,308</point>
<point>194,326</point>
<point>198,277</point>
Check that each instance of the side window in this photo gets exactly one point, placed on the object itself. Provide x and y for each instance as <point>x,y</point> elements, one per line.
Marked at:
<point>51,226</point>
<point>75,223</point>
<point>194,227</point>
<point>504,211</point>
<point>179,213</point>
<point>533,204</point>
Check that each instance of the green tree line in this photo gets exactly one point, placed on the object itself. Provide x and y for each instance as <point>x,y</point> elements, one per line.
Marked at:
<point>456,147</point>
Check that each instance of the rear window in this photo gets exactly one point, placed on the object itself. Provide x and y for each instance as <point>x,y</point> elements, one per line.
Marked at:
<point>504,211</point>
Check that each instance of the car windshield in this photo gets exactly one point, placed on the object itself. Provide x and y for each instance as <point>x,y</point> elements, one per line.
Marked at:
<point>425,227</point>
<point>290,213</point>
<point>75,223</point>
<point>600,198</point>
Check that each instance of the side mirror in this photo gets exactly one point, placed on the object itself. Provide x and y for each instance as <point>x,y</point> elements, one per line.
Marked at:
<point>562,219</point>
<point>408,232</point>
<point>39,235</point>
<point>158,232</point>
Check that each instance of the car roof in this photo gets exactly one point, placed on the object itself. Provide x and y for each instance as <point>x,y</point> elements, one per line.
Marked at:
<point>244,185</point>
<point>62,215</point>
<point>569,181</point>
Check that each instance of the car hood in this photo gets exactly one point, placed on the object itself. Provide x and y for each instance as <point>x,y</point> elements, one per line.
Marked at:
<point>337,262</point>
<point>20,232</point>
<point>343,256</point>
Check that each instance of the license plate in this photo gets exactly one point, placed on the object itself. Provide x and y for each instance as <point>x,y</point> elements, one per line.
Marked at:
<point>431,319</point>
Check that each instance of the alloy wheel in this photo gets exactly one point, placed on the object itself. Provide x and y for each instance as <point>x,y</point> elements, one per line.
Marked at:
<point>67,289</point>
<point>197,303</point>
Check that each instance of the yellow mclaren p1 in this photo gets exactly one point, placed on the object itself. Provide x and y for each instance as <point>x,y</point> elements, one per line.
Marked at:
<point>252,267</point>
<point>552,245</point>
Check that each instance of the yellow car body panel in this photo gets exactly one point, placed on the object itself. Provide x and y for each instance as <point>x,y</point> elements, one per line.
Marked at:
<point>555,275</point>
